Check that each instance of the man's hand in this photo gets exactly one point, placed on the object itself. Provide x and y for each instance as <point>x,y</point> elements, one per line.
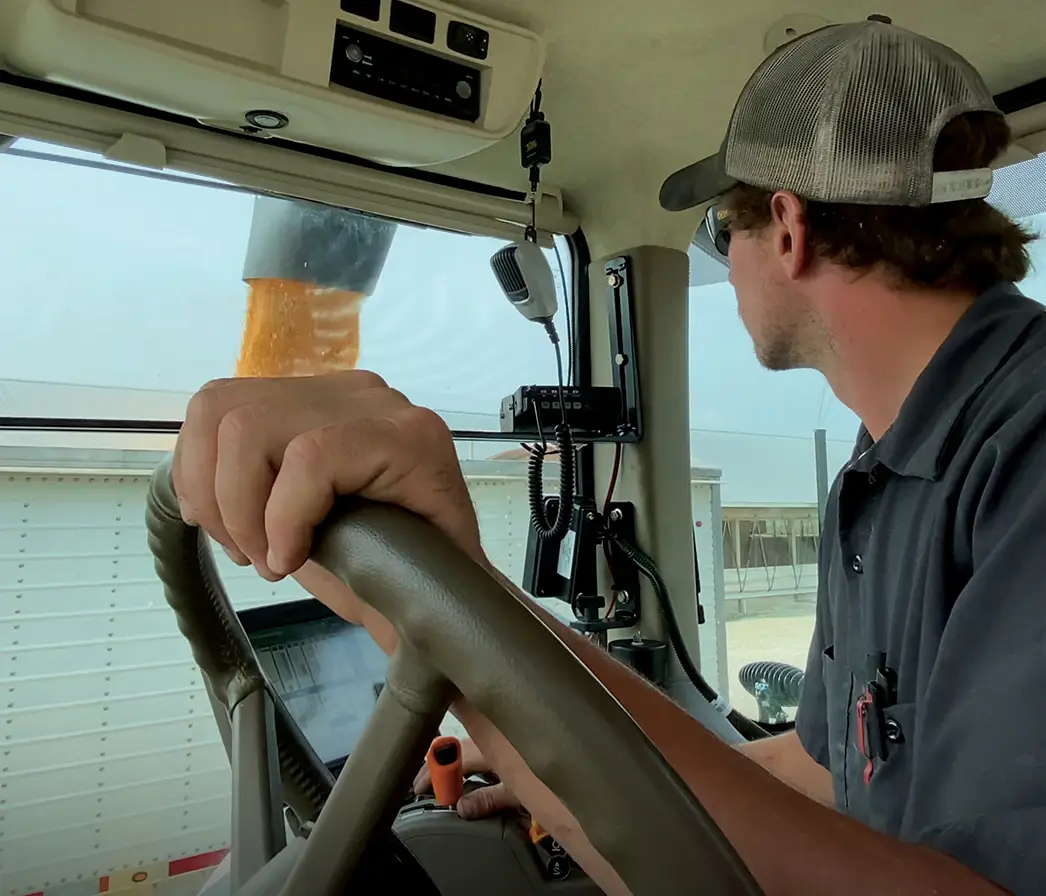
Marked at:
<point>484,801</point>
<point>259,463</point>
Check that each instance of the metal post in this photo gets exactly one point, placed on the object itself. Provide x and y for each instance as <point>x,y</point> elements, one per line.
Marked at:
<point>257,822</point>
<point>821,463</point>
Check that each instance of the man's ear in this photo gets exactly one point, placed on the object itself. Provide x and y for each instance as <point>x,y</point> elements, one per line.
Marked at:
<point>790,243</point>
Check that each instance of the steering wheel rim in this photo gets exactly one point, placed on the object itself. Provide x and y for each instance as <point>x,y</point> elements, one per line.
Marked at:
<point>459,628</point>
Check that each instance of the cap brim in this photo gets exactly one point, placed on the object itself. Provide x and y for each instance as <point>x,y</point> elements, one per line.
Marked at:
<point>698,183</point>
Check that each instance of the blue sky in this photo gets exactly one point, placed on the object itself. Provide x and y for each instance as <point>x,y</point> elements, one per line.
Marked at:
<point>117,280</point>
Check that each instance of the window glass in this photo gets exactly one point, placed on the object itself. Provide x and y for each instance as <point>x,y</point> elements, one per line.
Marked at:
<point>123,293</point>
<point>111,758</point>
<point>757,430</point>
<point>147,286</point>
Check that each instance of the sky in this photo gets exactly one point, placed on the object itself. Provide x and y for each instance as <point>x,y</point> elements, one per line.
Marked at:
<point>116,280</point>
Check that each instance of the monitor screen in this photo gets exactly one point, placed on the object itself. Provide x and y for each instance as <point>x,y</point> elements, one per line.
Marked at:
<point>328,671</point>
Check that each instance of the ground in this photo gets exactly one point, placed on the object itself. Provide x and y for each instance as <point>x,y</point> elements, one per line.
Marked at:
<point>781,634</point>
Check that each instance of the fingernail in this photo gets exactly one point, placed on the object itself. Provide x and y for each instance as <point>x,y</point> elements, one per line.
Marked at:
<point>236,557</point>
<point>186,512</point>
<point>273,561</point>
<point>266,573</point>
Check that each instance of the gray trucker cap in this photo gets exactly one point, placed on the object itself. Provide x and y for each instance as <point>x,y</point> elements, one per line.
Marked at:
<point>847,113</point>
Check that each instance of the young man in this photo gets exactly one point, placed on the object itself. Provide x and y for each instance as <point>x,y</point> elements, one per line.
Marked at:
<point>855,248</point>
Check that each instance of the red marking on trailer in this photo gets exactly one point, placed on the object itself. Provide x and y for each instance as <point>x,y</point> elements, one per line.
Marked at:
<point>120,881</point>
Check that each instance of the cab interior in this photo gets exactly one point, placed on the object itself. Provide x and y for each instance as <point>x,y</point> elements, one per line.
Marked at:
<point>281,99</point>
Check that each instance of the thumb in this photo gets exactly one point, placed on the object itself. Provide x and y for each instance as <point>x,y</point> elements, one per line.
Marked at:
<point>486,801</point>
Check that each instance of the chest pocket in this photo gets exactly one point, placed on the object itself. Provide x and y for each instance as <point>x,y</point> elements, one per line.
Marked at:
<point>879,800</point>
<point>838,686</point>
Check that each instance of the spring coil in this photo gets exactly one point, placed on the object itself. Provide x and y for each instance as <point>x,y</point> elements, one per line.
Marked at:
<point>546,530</point>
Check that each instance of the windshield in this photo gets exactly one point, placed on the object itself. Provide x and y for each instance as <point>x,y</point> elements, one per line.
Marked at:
<point>766,433</point>
<point>124,291</point>
<point>143,287</point>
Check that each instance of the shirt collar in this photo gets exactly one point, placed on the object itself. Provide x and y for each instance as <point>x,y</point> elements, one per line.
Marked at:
<point>978,345</point>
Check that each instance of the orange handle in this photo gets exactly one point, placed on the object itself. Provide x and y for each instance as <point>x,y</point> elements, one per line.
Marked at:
<point>444,763</point>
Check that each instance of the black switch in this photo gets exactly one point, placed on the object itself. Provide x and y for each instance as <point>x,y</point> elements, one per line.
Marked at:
<point>559,868</point>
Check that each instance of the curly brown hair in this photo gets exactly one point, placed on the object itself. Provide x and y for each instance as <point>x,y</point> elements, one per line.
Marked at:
<point>966,246</point>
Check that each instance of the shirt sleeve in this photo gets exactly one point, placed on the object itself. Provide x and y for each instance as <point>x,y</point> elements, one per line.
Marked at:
<point>979,774</point>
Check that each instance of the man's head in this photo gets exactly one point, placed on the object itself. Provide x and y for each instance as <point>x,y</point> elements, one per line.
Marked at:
<point>859,150</point>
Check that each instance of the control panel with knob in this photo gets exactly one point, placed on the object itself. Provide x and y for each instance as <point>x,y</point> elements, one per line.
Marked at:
<point>374,65</point>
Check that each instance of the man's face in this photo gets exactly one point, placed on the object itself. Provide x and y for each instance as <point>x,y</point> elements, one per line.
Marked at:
<point>772,309</point>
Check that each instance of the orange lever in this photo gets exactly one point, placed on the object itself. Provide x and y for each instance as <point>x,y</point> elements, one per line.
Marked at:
<point>444,764</point>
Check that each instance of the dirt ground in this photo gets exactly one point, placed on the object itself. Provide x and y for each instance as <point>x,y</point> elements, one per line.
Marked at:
<point>782,636</point>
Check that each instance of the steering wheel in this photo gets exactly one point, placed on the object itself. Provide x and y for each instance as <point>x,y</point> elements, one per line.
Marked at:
<point>459,630</point>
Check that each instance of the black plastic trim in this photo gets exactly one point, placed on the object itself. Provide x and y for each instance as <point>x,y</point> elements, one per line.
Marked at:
<point>1023,97</point>
<point>260,619</point>
<point>85,96</point>
<point>580,262</point>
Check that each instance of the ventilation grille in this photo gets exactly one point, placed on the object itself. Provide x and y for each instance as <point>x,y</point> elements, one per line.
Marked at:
<point>507,272</point>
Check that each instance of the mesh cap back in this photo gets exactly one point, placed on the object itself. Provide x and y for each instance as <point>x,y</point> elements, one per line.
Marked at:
<point>848,113</point>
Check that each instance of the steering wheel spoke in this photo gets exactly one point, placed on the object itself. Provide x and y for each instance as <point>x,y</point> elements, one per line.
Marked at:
<point>371,786</point>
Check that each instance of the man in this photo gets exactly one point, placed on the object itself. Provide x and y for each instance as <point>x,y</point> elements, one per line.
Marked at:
<point>852,182</point>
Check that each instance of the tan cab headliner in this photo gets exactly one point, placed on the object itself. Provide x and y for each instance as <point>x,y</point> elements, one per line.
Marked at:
<point>635,90</point>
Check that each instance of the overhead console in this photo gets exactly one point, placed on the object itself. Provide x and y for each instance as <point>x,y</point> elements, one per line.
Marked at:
<point>398,82</point>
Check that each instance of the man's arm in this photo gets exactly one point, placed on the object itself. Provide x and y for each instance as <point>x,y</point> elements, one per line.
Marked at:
<point>792,843</point>
<point>785,757</point>
<point>258,465</point>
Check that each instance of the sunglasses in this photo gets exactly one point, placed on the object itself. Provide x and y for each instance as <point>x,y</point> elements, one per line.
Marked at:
<point>717,222</point>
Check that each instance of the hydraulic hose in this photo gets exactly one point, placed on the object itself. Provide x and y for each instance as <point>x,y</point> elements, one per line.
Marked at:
<point>785,682</point>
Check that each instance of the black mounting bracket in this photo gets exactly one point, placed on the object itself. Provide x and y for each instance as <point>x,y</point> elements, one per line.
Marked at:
<point>568,569</point>
<point>623,346</point>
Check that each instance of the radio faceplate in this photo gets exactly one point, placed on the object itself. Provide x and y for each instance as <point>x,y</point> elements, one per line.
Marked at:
<point>382,68</point>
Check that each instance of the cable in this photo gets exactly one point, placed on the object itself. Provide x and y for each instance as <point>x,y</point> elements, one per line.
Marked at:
<point>535,151</point>
<point>611,487</point>
<point>744,725</point>
<point>613,479</point>
<point>568,303</point>
<point>553,530</point>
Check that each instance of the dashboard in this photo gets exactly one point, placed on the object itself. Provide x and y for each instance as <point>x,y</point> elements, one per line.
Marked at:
<point>327,671</point>
<point>329,674</point>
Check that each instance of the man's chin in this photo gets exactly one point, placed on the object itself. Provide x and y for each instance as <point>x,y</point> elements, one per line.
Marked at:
<point>775,360</point>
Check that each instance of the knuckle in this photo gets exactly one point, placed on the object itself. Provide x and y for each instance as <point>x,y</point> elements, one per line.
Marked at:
<point>247,536</point>
<point>366,379</point>
<point>239,423</point>
<point>395,397</point>
<point>208,403</point>
<point>218,383</point>
<point>202,408</point>
<point>423,423</point>
<point>309,449</point>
